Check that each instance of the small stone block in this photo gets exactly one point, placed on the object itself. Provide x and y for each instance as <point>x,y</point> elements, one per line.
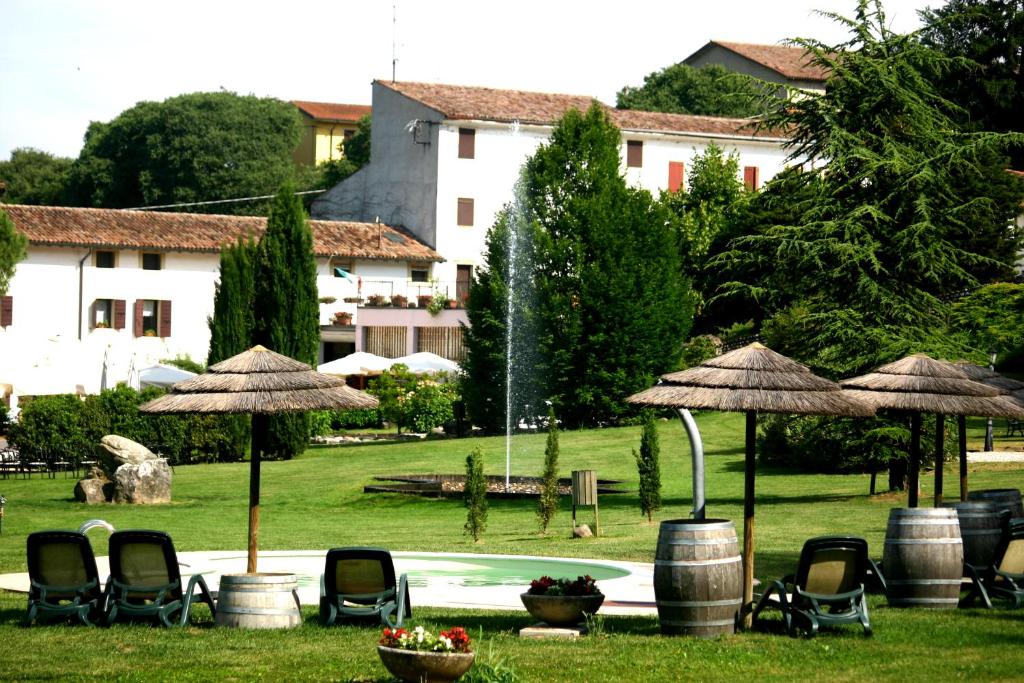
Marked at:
<point>582,531</point>
<point>542,630</point>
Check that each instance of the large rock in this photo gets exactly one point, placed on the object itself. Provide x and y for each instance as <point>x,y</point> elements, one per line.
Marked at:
<point>94,491</point>
<point>115,451</point>
<point>145,483</point>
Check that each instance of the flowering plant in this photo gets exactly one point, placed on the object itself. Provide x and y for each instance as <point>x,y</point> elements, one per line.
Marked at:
<point>454,639</point>
<point>583,585</point>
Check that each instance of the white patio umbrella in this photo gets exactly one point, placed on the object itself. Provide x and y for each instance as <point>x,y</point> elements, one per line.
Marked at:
<point>425,361</point>
<point>358,363</point>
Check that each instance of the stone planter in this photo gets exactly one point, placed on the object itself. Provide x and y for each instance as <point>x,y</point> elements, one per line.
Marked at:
<point>426,667</point>
<point>561,610</point>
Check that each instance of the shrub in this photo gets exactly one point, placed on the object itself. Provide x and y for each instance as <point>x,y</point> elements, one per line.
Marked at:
<point>415,402</point>
<point>475,495</point>
<point>355,419</point>
<point>52,425</point>
<point>649,468</point>
<point>547,505</point>
<point>698,349</point>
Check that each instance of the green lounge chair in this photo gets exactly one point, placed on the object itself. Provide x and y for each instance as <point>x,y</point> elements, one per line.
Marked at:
<point>145,581</point>
<point>359,583</point>
<point>828,587</point>
<point>63,580</point>
<point>1005,577</point>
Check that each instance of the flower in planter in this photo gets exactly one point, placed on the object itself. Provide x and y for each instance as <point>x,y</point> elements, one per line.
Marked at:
<point>327,299</point>
<point>399,301</point>
<point>377,300</point>
<point>423,300</point>
<point>454,639</point>
<point>582,585</point>
<point>149,333</point>
<point>353,299</point>
<point>342,318</point>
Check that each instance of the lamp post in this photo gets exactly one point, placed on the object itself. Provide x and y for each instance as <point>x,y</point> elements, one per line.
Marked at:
<point>988,424</point>
<point>3,503</point>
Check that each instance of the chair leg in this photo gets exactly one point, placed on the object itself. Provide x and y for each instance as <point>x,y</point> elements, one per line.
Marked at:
<point>977,588</point>
<point>197,581</point>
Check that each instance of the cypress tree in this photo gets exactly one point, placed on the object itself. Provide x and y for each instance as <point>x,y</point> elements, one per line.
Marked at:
<point>547,506</point>
<point>475,495</point>
<point>649,468</point>
<point>286,307</point>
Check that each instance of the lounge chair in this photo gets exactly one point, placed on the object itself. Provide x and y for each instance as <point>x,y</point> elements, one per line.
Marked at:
<point>1005,577</point>
<point>828,587</point>
<point>359,583</point>
<point>63,580</point>
<point>145,580</point>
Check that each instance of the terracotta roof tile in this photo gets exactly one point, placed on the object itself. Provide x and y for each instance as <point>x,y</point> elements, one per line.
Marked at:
<point>467,103</point>
<point>77,227</point>
<point>791,62</point>
<point>328,111</point>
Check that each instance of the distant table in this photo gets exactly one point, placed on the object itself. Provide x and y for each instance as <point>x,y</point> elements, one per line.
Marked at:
<point>1014,426</point>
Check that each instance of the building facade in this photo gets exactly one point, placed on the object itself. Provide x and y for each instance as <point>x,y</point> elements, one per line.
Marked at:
<point>325,128</point>
<point>782,64</point>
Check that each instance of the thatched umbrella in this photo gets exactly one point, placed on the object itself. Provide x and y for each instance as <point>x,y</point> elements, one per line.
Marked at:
<point>260,382</point>
<point>751,379</point>
<point>918,384</point>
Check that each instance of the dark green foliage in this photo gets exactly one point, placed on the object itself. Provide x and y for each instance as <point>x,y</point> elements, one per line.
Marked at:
<point>327,421</point>
<point>185,363</point>
<point>51,426</point>
<point>611,306</point>
<point>13,247</point>
<point>285,297</point>
<point>992,318</point>
<point>357,155</point>
<point>696,350</point>
<point>475,495</point>
<point>649,468</point>
<point>711,90</point>
<point>988,37</point>
<point>547,504</point>
<point>877,243</point>
<point>189,148</point>
<point>34,177</point>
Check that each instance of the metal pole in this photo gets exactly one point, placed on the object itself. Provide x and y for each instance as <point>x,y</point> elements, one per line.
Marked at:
<point>940,447</point>
<point>961,423</point>
<point>915,459</point>
<point>988,424</point>
<point>697,455</point>
<point>748,521</point>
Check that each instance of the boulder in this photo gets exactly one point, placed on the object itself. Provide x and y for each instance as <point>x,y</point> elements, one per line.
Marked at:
<point>582,531</point>
<point>146,483</point>
<point>115,451</point>
<point>94,491</point>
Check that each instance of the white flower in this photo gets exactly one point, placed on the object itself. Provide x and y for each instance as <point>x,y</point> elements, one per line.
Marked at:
<point>446,642</point>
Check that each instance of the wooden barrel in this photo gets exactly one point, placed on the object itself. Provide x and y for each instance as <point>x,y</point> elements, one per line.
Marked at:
<point>1003,499</point>
<point>981,526</point>
<point>923,558</point>
<point>258,601</point>
<point>698,577</point>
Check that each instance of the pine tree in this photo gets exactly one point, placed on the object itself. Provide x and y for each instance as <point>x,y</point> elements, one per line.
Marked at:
<point>286,307</point>
<point>475,495</point>
<point>649,468</point>
<point>547,505</point>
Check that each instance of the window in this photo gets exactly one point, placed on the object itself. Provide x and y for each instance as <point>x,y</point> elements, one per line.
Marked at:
<point>419,274</point>
<point>675,176</point>
<point>105,259</point>
<point>465,216</point>
<point>102,314</point>
<point>342,269</point>
<point>152,318</point>
<point>463,280</point>
<point>634,153</point>
<point>6,311</point>
<point>152,261</point>
<point>467,143</point>
<point>751,177</point>
<point>348,135</point>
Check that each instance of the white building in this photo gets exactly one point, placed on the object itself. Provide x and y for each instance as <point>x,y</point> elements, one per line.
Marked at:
<point>104,292</point>
<point>445,159</point>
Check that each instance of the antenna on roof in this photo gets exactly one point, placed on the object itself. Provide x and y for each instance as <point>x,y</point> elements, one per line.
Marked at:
<point>394,32</point>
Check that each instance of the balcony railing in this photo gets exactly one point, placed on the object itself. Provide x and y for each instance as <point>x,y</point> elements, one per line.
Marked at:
<point>415,294</point>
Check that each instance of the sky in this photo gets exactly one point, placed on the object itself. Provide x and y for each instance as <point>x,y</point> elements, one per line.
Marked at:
<point>64,63</point>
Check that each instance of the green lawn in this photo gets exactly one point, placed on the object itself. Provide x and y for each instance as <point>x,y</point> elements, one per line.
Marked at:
<point>317,502</point>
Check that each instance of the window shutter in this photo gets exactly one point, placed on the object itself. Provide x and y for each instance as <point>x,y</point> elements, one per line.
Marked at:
<point>137,320</point>
<point>465,216</point>
<point>634,153</point>
<point>751,177</point>
<point>119,311</point>
<point>165,319</point>
<point>467,143</point>
<point>6,310</point>
<point>675,176</point>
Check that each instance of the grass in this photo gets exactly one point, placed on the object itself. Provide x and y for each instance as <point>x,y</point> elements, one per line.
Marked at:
<point>316,502</point>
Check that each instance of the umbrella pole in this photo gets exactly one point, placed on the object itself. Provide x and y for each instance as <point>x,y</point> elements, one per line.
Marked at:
<point>258,431</point>
<point>940,447</point>
<point>961,423</point>
<point>748,520</point>
<point>915,459</point>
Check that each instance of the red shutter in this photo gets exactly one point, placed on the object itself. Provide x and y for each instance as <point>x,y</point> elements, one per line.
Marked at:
<point>465,212</point>
<point>675,176</point>
<point>634,153</point>
<point>6,310</point>
<point>751,177</point>
<point>137,321</point>
<point>119,313</point>
<point>165,319</point>
<point>467,143</point>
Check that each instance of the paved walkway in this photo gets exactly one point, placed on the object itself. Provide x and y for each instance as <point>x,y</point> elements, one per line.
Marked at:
<point>995,456</point>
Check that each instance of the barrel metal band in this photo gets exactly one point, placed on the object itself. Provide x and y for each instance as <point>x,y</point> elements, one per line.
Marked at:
<point>701,541</point>
<point>923,541</point>
<point>269,611</point>
<point>923,582</point>
<point>924,522</point>
<point>696,563</point>
<point>699,603</point>
<point>710,622</point>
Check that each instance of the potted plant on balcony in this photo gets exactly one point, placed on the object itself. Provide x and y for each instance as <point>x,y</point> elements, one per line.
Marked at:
<point>423,300</point>
<point>419,655</point>
<point>342,318</point>
<point>353,300</point>
<point>377,300</point>
<point>399,301</point>
<point>327,299</point>
<point>562,602</point>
